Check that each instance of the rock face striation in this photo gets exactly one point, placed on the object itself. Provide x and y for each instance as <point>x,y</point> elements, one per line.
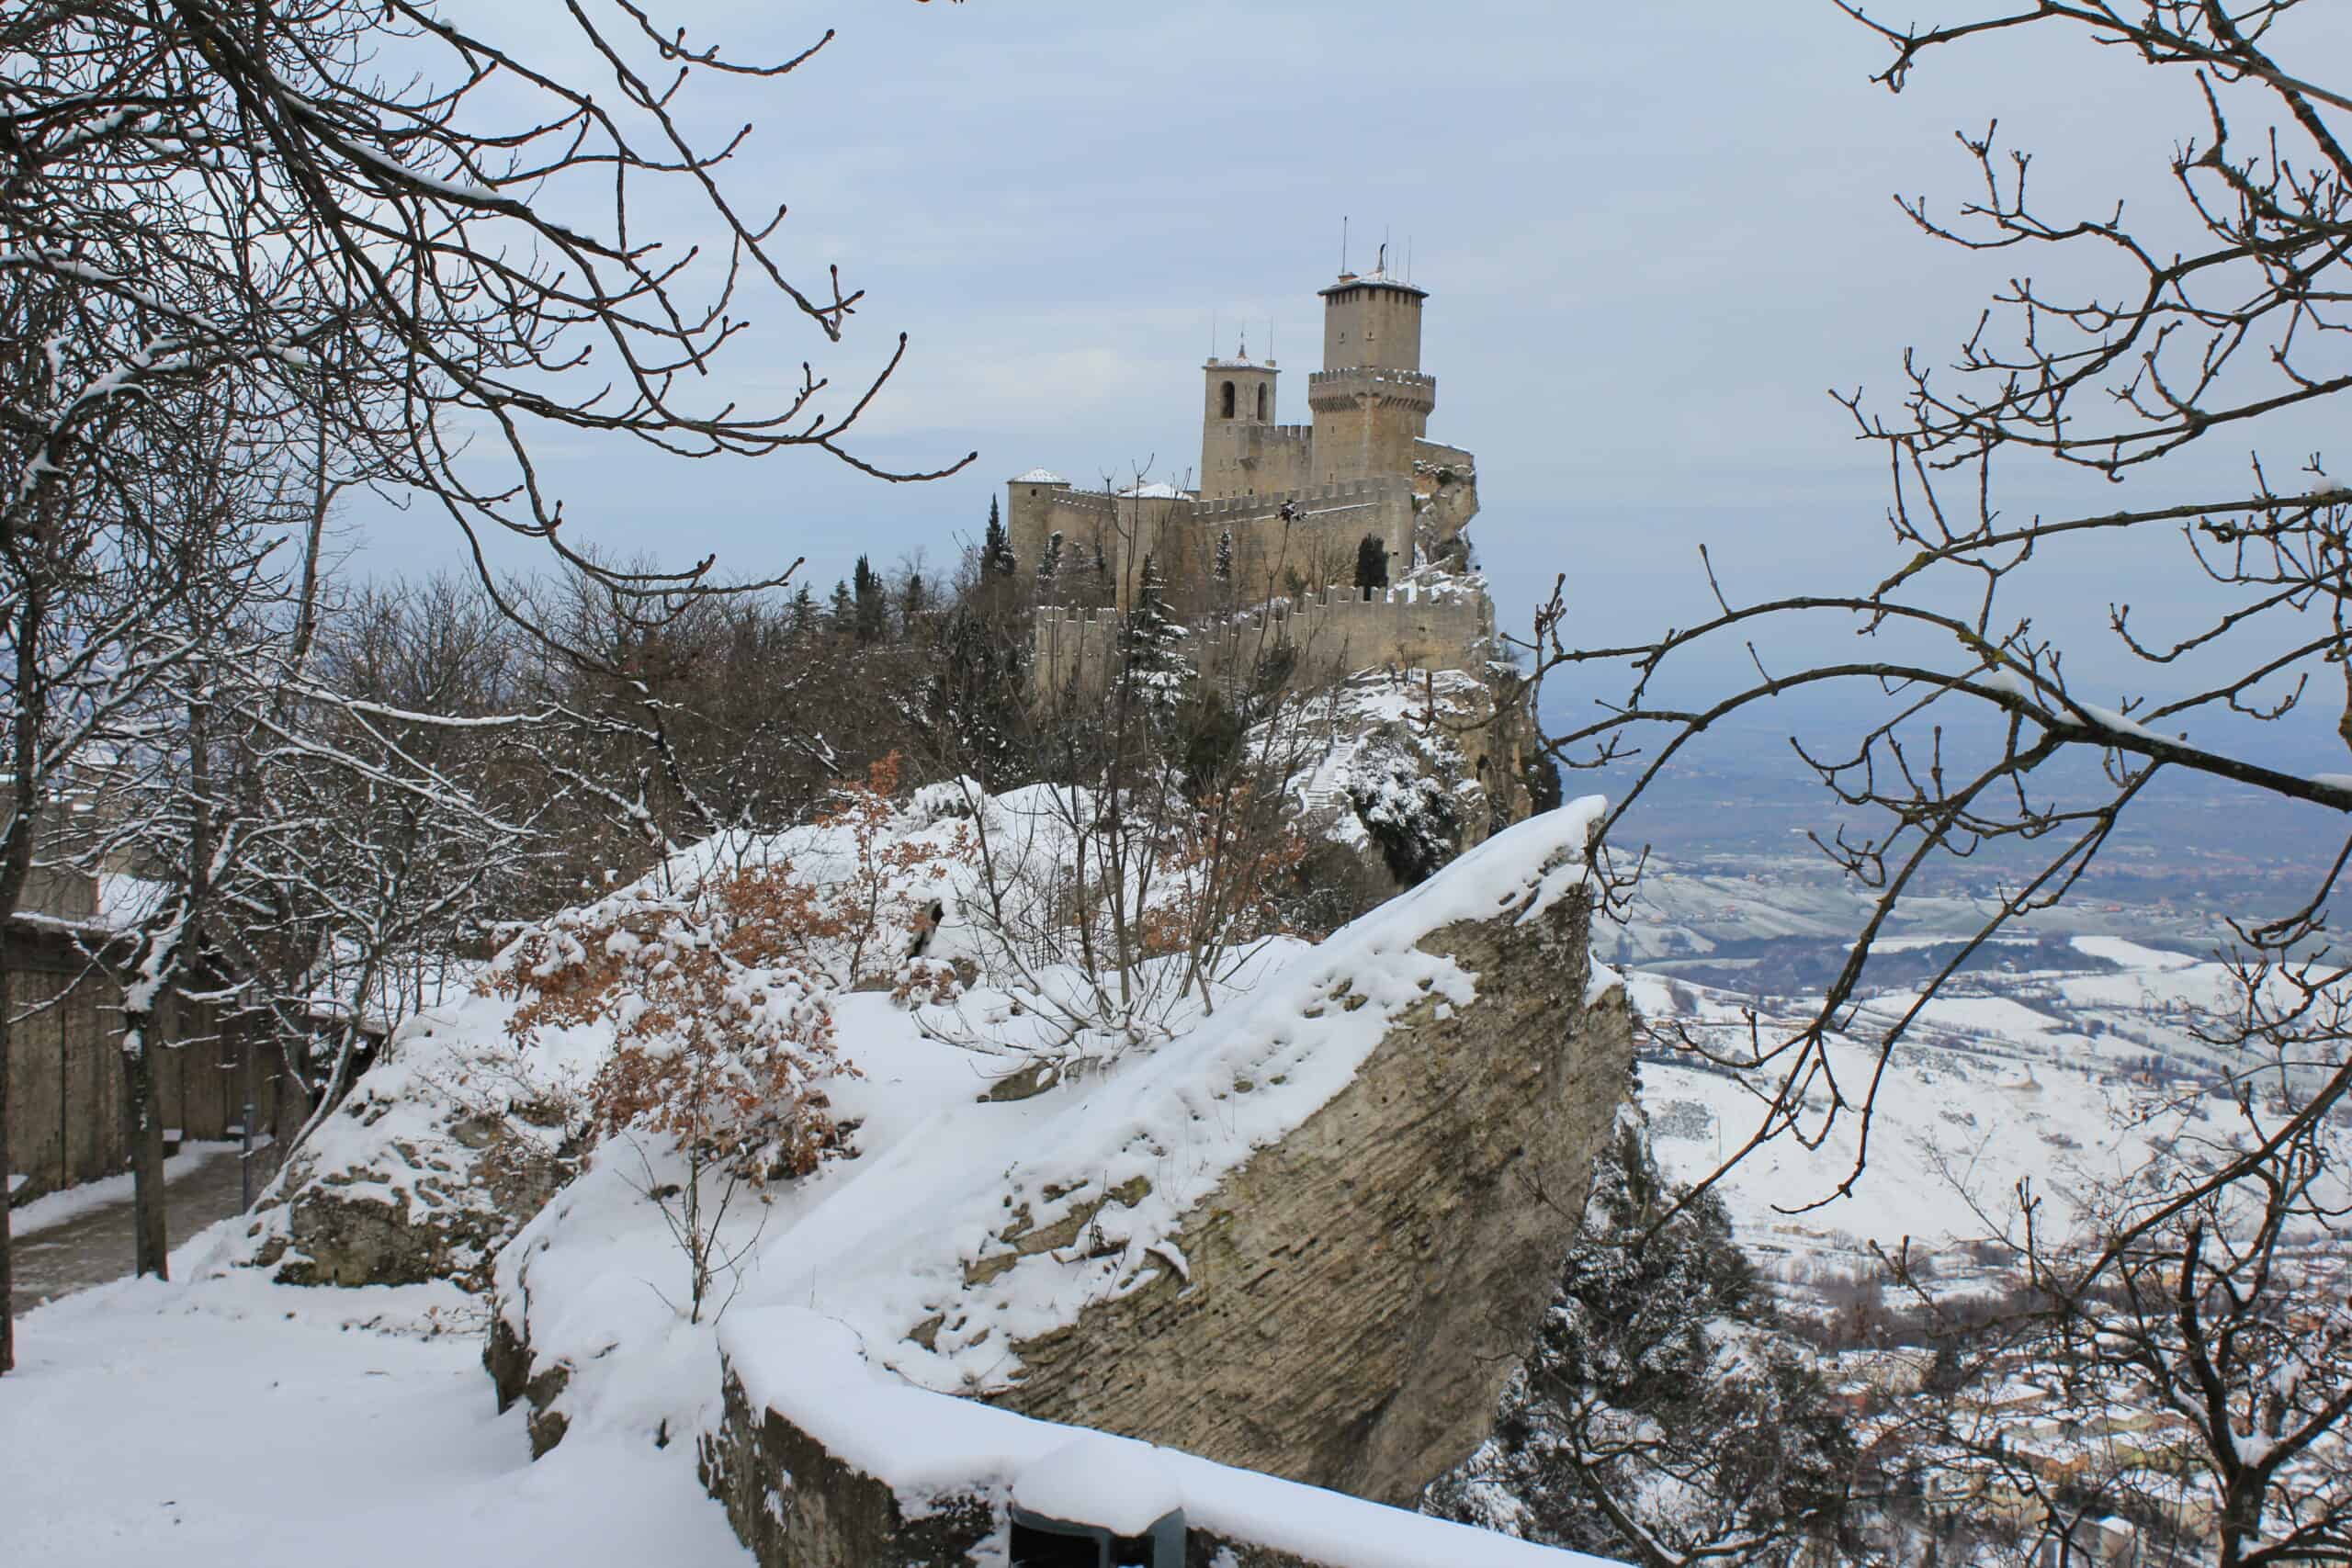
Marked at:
<point>1356,1295</point>
<point>820,1465</point>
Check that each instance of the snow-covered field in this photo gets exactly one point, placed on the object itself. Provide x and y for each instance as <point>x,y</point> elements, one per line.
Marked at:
<point>236,1421</point>
<point>2038,1076</point>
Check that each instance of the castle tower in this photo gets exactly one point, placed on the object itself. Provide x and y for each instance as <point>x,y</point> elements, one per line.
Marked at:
<point>1371,400</point>
<point>1237,405</point>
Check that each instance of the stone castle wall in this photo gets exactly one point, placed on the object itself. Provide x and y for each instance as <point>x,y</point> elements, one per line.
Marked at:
<point>1314,549</point>
<point>1241,458</point>
<point>1408,626</point>
<point>1366,421</point>
<point>1124,528</point>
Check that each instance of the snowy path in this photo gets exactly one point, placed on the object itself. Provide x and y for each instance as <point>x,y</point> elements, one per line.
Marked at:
<point>82,1237</point>
<point>235,1421</point>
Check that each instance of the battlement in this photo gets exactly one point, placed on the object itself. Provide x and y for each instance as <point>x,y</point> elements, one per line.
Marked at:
<point>1088,501</point>
<point>1072,619</point>
<point>1320,498</point>
<point>1254,439</point>
<point>1403,385</point>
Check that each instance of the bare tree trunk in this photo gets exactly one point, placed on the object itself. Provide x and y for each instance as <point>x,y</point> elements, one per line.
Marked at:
<point>28,723</point>
<point>8,1031</point>
<point>149,1247</point>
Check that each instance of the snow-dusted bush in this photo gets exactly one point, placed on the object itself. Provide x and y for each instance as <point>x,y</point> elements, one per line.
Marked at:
<point>720,1050</point>
<point>851,898</point>
<point>1100,921</point>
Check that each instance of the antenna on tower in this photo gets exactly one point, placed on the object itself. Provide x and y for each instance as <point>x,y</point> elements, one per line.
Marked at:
<point>1409,261</point>
<point>1343,244</point>
<point>1212,334</point>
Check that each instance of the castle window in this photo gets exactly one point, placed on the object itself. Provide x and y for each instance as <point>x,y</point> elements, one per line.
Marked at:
<point>1261,402</point>
<point>1226,401</point>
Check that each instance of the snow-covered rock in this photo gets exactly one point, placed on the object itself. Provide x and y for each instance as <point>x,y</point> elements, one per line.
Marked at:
<point>440,1154</point>
<point>1307,1235</point>
<point>1421,766</point>
<point>1341,1304</point>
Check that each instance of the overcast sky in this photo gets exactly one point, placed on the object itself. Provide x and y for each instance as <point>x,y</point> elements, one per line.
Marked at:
<point>1654,236</point>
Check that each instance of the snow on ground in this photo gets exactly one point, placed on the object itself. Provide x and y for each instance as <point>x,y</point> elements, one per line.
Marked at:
<point>2131,955</point>
<point>1999,1018</point>
<point>236,1421</point>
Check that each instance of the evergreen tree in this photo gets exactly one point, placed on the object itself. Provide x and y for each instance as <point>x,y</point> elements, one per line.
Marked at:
<point>1224,556</point>
<point>1662,1417</point>
<point>1149,636</point>
<point>840,613</point>
<point>1372,563</point>
<point>913,601</point>
<point>803,612</point>
<point>872,600</point>
<point>1049,565</point>
<point>996,550</point>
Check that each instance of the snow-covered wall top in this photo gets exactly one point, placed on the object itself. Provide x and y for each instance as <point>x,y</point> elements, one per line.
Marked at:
<point>927,1448</point>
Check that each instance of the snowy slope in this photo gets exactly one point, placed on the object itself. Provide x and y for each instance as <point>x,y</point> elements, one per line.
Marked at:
<point>2045,1082</point>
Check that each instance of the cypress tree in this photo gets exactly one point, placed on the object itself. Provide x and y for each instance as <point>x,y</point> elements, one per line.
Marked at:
<point>872,600</point>
<point>996,550</point>
<point>911,606</point>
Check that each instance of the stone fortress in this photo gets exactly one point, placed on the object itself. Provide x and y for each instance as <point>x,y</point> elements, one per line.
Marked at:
<point>1263,554</point>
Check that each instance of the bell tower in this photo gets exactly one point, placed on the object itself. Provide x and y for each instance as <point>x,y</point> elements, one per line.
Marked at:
<point>1237,405</point>
<point>1371,400</point>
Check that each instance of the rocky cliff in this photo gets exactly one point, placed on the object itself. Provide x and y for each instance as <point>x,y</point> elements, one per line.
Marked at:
<point>1355,1294</point>
<point>1423,765</point>
<point>1307,1235</point>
